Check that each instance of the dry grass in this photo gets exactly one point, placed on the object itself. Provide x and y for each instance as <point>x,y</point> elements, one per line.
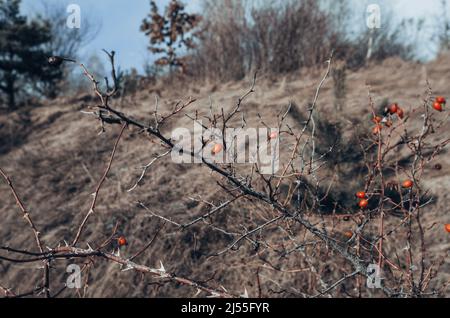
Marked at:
<point>56,158</point>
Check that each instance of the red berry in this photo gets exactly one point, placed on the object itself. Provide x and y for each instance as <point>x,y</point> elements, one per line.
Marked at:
<point>441,100</point>
<point>438,106</point>
<point>393,108</point>
<point>363,203</point>
<point>122,241</point>
<point>407,184</point>
<point>447,227</point>
<point>361,195</point>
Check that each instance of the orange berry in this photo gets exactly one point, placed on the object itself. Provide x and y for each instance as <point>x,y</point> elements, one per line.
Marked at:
<point>447,227</point>
<point>393,108</point>
<point>348,234</point>
<point>400,113</point>
<point>438,106</point>
<point>363,203</point>
<point>216,149</point>
<point>441,100</point>
<point>407,184</point>
<point>361,195</point>
<point>122,241</point>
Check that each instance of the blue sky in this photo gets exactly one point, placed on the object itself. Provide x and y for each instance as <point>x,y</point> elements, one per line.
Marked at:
<point>120,20</point>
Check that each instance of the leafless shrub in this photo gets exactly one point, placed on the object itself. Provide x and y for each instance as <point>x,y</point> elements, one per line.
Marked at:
<point>386,42</point>
<point>223,39</point>
<point>443,27</point>
<point>78,83</point>
<point>271,37</point>
<point>276,37</point>
<point>289,222</point>
<point>273,40</point>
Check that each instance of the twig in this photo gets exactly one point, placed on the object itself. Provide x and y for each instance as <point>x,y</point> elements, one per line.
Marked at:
<point>97,190</point>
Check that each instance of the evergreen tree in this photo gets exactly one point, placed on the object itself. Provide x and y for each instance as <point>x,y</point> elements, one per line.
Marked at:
<point>23,67</point>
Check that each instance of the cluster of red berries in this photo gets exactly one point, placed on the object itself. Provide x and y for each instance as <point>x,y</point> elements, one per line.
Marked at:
<point>439,103</point>
<point>363,202</point>
<point>394,109</point>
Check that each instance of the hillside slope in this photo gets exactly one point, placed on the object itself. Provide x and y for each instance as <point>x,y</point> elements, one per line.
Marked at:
<point>55,156</point>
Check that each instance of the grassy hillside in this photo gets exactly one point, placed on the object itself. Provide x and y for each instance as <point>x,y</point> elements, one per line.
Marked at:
<point>56,156</point>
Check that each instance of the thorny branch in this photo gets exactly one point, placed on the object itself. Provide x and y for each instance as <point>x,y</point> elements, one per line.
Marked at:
<point>97,189</point>
<point>358,250</point>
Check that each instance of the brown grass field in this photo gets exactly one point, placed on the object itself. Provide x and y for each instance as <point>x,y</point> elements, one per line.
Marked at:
<point>55,157</point>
